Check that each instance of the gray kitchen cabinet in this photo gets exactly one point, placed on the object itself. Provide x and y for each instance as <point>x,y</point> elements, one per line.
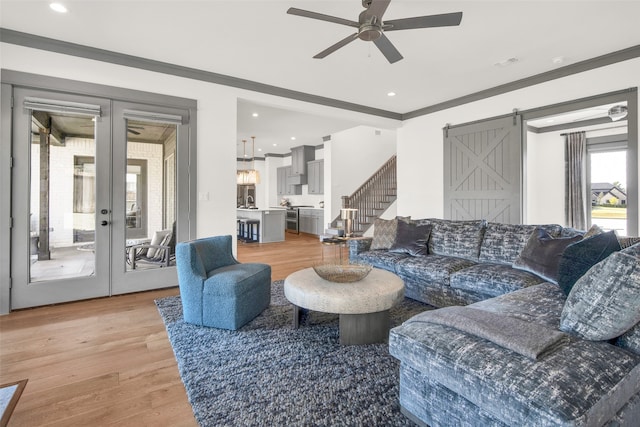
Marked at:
<point>299,158</point>
<point>285,184</point>
<point>311,221</point>
<point>315,176</point>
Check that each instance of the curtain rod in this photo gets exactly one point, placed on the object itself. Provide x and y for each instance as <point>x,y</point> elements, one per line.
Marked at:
<point>594,130</point>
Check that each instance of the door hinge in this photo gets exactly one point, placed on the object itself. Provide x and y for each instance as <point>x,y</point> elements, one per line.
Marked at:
<point>10,162</point>
<point>515,116</point>
<point>10,222</point>
<point>12,98</point>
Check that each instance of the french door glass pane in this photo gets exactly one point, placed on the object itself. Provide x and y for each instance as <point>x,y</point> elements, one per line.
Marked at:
<point>608,190</point>
<point>150,196</point>
<point>62,196</point>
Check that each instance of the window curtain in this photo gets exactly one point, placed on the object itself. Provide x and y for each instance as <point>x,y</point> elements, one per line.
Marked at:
<point>575,180</point>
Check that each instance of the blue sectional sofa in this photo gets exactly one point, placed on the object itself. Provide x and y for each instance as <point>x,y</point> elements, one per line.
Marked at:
<point>508,347</point>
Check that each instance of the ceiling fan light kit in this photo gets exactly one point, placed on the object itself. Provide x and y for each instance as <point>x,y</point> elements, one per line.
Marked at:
<point>617,112</point>
<point>371,27</point>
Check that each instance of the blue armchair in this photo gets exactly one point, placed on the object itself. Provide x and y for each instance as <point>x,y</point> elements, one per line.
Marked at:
<point>216,290</point>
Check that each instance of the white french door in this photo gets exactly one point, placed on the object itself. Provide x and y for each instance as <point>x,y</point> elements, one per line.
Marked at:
<point>94,184</point>
<point>61,198</point>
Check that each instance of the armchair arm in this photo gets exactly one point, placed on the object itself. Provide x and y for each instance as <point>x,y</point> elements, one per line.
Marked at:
<point>359,245</point>
<point>164,257</point>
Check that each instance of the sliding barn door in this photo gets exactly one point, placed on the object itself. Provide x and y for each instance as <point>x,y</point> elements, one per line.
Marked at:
<point>483,170</point>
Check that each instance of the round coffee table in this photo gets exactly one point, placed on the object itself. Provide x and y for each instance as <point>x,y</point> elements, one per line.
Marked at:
<point>363,306</point>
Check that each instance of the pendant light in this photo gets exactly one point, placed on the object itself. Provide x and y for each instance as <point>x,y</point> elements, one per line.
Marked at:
<point>249,176</point>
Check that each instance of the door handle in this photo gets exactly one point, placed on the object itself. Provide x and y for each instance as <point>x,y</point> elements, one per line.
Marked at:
<point>104,223</point>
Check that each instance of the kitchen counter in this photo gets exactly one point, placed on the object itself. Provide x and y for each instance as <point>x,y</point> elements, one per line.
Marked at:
<point>260,209</point>
<point>271,222</point>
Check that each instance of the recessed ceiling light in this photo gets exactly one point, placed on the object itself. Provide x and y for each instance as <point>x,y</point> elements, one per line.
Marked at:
<point>255,114</point>
<point>259,149</point>
<point>293,138</point>
<point>58,7</point>
<point>558,60</point>
<point>391,94</point>
<point>275,145</point>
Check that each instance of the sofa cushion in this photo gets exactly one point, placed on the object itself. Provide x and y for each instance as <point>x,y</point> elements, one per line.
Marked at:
<point>432,269</point>
<point>380,259</point>
<point>603,303</point>
<point>630,339</point>
<point>633,250</point>
<point>384,232</point>
<point>542,253</point>
<point>579,257</point>
<point>492,279</point>
<point>457,238</point>
<point>502,243</point>
<point>411,238</point>
<point>581,383</point>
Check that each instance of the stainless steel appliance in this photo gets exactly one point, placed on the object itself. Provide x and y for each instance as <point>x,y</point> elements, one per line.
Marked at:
<point>246,196</point>
<point>292,218</point>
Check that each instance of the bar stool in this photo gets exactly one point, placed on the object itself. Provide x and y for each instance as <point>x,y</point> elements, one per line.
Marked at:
<point>242,227</point>
<point>252,231</point>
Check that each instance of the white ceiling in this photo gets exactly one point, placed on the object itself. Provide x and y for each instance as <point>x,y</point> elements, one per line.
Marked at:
<point>258,41</point>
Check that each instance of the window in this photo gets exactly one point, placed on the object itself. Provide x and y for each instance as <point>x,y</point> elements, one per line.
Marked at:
<point>607,168</point>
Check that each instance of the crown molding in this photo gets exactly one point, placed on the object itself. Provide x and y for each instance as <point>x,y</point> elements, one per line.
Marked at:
<point>82,51</point>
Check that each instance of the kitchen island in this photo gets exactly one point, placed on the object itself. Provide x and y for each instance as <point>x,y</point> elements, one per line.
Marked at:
<point>271,222</point>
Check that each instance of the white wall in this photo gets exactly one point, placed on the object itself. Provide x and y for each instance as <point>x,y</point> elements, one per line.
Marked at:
<point>420,140</point>
<point>354,155</point>
<point>545,180</point>
<point>217,118</point>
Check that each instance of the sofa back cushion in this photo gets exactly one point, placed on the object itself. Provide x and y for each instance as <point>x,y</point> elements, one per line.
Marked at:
<point>603,304</point>
<point>502,243</point>
<point>460,239</point>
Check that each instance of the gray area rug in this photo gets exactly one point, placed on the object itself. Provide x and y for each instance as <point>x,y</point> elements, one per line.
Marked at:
<point>268,374</point>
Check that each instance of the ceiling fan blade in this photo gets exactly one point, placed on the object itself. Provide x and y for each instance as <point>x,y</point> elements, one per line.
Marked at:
<point>345,41</point>
<point>135,132</point>
<point>377,8</point>
<point>444,20</point>
<point>322,17</point>
<point>388,50</point>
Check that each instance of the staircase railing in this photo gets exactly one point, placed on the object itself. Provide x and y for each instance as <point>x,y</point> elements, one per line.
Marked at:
<point>373,197</point>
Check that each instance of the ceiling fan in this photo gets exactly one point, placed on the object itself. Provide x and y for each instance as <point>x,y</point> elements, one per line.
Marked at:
<point>371,27</point>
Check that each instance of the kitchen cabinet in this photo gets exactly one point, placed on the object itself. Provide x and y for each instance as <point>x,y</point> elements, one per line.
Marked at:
<point>311,221</point>
<point>315,176</point>
<point>285,184</point>
<point>299,158</point>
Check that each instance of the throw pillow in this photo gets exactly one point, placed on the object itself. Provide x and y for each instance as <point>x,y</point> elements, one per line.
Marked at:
<point>603,303</point>
<point>627,242</point>
<point>411,239</point>
<point>541,254</point>
<point>384,232</point>
<point>579,257</point>
<point>157,239</point>
<point>593,231</point>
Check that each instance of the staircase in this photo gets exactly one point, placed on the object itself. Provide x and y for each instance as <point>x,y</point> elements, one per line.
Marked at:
<point>372,198</point>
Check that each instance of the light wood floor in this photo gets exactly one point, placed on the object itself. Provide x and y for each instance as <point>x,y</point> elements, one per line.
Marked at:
<point>108,361</point>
